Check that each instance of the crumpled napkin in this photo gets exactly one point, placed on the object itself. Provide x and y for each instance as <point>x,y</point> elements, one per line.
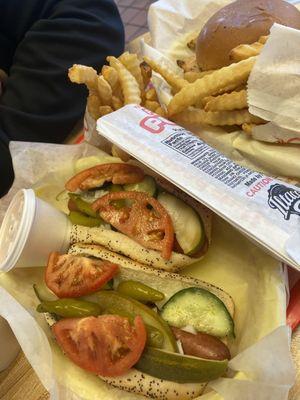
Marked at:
<point>274,87</point>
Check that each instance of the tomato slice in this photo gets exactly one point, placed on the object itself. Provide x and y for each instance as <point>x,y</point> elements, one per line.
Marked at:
<point>117,173</point>
<point>146,220</point>
<point>74,276</point>
<point>106,345</point>
<point>293,310</point>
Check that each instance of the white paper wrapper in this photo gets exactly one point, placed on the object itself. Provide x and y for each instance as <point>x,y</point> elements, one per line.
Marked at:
<point>173,23</point>
<point>254,279</point>
<point>274,87</point>
<point>261,207</point>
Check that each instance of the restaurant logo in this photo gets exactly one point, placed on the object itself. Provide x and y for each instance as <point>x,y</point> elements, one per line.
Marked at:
<point>153,123</point>
<point>284,199</point>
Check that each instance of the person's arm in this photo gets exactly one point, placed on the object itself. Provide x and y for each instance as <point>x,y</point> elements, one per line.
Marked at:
<point>6,169</point>
<point>39,103</point>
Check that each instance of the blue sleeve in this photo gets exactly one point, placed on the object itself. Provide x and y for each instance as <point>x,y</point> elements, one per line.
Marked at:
<point>47,37</point>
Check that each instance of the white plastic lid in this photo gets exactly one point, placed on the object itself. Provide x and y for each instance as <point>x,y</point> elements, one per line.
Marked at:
<point>15,228</point>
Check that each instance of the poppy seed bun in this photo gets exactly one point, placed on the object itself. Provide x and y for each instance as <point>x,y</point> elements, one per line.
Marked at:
<point>240,22</point>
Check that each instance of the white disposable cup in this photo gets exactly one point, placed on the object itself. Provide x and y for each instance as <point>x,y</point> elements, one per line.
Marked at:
<point>9,346</point>
<point>30,230</point>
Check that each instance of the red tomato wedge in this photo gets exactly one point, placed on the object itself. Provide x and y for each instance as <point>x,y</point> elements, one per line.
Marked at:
<point>74,276</point>
<point>106,345</point>
<point>293,310</point>
<point>146,221</point>
<point>117,173</point>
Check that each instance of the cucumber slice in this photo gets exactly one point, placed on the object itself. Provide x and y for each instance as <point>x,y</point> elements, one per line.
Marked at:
<point>188,226</point>
<point>147,185</point>
<point>199,308</point>
<point>179,368</point>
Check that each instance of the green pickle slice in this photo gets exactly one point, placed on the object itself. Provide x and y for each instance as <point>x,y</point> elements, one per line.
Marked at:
<point>179,368</point>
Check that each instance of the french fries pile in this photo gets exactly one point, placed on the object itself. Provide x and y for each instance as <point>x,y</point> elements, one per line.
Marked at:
<point>124,81</point>
<point>216,97</point>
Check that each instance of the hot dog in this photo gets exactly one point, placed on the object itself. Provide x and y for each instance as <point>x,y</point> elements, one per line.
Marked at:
<point>152,366</point>
<point>118,206</point>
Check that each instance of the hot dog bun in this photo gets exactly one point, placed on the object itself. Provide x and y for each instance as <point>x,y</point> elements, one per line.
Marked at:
<point>135,381</point>
<point>240,22</point>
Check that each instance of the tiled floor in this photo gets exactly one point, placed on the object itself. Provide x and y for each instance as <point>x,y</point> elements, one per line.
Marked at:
<point>134,16</point>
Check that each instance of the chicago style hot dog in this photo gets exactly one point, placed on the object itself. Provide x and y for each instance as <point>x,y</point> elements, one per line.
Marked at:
<point>140,329</point>
<point>146,219</point>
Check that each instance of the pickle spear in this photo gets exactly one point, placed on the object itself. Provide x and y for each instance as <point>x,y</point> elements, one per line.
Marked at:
<point>180,368</point>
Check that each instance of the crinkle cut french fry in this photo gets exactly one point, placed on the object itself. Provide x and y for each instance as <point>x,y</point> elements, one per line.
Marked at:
<point>132,63</point>
<point>93,105</point>
<point>104,91</point>
<point>247,128</point>
<point>173,79</point>
<point>188,64</point>
<point>229,88</point>
<point>116,102</point>
<point>192,76</point>
<point>151,105</point>
<point>83,74</point>
<point>244,51</point>
<point>146,72</point>
<point>103,110</point>
<point>117,152</point>
<point>151,94</point>
<point>192,43</point>
<point>263,39</point>
<point>227,102</point>
<point>216,118</point>
<point>232,74</point>
<point>160,111</point>
<point>111,76</point>
<point>130,87</point>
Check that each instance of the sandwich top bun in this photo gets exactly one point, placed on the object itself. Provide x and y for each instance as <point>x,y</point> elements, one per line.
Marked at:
<point>240,22</point>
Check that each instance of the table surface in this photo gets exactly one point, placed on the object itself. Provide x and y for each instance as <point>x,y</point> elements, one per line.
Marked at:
<point>19,381</point>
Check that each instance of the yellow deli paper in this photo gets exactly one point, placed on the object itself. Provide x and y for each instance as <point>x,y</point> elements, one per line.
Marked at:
<point>254,280</point>
<point>169,40</point>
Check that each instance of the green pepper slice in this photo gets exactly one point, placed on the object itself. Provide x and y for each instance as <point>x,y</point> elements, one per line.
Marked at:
<point>78,218</point>
<point>70,308</point>
<point>109,299</point>
<point>139,291</point>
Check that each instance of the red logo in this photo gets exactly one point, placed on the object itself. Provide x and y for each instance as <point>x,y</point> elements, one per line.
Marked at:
<point>154,123</point>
